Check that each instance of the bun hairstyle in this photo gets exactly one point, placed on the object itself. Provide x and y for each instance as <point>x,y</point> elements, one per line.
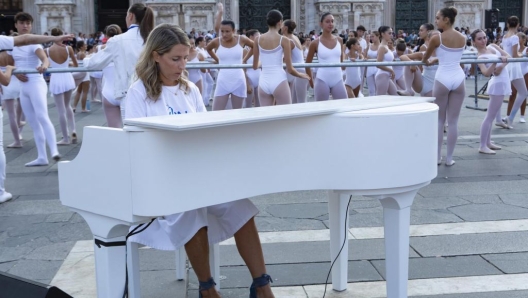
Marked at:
<point>428,26</point>
<point>450,13</point>
<point>291,25</point>
<point>325,15</point>
<point>513,22</point>
<point>112,30</point>
<point>350,42</point>
<point>198,40</point>
<point>400,44</point>
<point>383,29</point>
<point>144,17</point>
<point>251,32</point>
<point>56,32</point>
<point>474,34</point>
<point>273,17</point>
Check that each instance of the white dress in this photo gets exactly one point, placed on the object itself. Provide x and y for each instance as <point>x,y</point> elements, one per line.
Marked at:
<point>173,231</point>
<point>60,82</point>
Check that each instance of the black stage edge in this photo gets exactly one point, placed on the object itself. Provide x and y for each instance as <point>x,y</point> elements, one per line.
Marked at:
<point>12,286</point>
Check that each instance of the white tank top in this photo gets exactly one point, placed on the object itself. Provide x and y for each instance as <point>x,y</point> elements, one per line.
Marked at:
<point>271,58</point>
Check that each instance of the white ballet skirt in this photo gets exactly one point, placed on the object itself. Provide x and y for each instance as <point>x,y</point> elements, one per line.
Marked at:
<point>501,84</point>
<point>12,91</point>
<point>515,71</point>
<point>171,232</point>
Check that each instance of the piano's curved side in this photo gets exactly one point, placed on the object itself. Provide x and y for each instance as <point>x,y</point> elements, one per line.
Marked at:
<point>98,179</point>
<point>378,149</point>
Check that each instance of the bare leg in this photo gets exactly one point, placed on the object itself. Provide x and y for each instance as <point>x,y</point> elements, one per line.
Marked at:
<point>248,103</point>
<point>197,250</point>
<point>350,91</point>
<point>321,90</point>
<point>248,245</point>
<point>220,102</point>
<point>339,91</point>
<point>113,114</point>
<point>13,124</point>
<point>485,129</point>
<point>357,90</point>
<point>265,99</point>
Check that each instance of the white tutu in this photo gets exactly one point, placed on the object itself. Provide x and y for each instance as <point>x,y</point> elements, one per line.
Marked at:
<point>61,82</point>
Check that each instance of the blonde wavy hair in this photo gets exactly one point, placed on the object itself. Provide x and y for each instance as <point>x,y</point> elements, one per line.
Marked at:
<point>160,40</point>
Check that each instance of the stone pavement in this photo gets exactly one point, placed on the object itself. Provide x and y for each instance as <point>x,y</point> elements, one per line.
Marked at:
<point>469,234</point>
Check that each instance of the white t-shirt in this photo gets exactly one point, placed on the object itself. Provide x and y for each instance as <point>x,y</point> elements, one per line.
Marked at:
<point>25,57</point>
<point>7,42</point>
<point>363,44</point>
<point>172,101</point>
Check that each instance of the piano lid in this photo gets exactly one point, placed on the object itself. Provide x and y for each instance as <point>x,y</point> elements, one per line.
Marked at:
<point>241,116</point>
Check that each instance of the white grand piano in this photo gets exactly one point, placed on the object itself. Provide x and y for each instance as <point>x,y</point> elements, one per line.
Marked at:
<point>383,147</point>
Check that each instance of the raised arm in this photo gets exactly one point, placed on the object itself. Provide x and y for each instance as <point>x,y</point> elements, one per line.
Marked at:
<point>433,44</point>
<point>309,58</point>
<point>219,16</point>
<point>286,45</point>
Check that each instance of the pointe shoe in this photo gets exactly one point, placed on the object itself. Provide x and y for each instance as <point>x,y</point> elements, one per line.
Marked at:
<point>37,163</point>
<point>74,138</point>
<point>204,286</point>
<point>487,151</point>
<point>503,125</point>
<point>450,163</point>
<point>522,120</point>
<point>508,123</point>
<point>259,282</point>
<point>22,123</point>
<point>85,111</point>
<point>492,146</point>
<point>56,157</point>
<point>5,197</point>
<point>63,142</point>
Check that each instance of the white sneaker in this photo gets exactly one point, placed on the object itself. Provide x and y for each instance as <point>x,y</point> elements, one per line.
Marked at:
<point>522,120</point>
<point>5,197</point>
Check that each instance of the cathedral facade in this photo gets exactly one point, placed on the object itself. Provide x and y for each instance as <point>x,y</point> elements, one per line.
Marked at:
<point>89,16</point>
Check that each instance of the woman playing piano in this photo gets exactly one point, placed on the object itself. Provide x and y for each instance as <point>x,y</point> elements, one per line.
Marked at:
<point>163,89</point>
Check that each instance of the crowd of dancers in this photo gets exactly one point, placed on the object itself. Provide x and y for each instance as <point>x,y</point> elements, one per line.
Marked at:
<point>144,74</point>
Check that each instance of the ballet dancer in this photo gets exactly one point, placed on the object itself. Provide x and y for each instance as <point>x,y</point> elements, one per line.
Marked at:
<point>449,86</point>
<point>510,44</point>
<point>372,55</point>
<point>329,49</point>
<point>84,87</point>
<point>421,83</point>
<point>61,86</point>
<point>523,50</point>
<point>111,106</point>
<point>228,49</point>
<point>252,75</point>
<point>498,86</point>
<point>353,74</point>
<point>385,75</point>
<point>298,86</point>
<point>33,92</point>
<point>195,74</point>
<point>10,93</point>
<point>162,90</point>
<point>400,49</point>
<point>124,50</point>
<point>207,79</point>
<point>270,49</point>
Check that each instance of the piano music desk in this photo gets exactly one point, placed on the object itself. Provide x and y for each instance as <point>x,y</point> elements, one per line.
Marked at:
<point>383,147</point>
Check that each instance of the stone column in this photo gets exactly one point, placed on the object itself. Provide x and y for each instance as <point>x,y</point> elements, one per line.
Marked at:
<point>44,20</point>
<point>199,16</point>
<point>55,15</point>
<point>470,13</point>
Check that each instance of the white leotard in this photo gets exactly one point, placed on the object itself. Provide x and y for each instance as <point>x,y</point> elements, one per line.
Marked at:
<point>272,72</point>
<point>61,82</point>
<point>330,75</point>
<point>194,74</point>
<point>230,81</point>
<point>514,69</point>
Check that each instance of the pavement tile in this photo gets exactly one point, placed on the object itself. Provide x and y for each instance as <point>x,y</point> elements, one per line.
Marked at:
<point>424,216</point>
<point>32,208</point>
<point>158,260</point>
<point>306,210</point>
<point>305,196</point>
<point>509,262</point>
<point>59,217</point>
<point>4,267</point>
<point>293,274</point>
<point>36,269</point>
<point>520,200</point>
<point>481,212</point>
<point>474,188</point>
<point>470,244</point>
<point>509,294</point>
<point>273,224</point>
<point>52,252</point>
<point>482,199</point>
<point>9,254</point>
<point>279,253</point>
<point>444,267</point>
<point>162,283</point>
<point>38,197</point>
<point>437,202</point>
<point>485,167</point>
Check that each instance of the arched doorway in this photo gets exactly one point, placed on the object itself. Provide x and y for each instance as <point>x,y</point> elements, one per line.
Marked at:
<point>8,10</point>
<point>110,12</point>
<point>253,12</point>
<point>508,8</point>
<point>411,14</point>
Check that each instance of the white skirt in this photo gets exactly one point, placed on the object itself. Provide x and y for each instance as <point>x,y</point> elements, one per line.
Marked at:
<point>499,86</point>
<point>61,82</point>
<point>12,91</point>
<point>173,231</point>
<point>515,72</point>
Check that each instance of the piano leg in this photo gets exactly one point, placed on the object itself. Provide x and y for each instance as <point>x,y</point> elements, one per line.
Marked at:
<point>396,214</point>
<point>181,259</point>
<point>337,206</point>
<point>214,263</point>
<point>134,287</point>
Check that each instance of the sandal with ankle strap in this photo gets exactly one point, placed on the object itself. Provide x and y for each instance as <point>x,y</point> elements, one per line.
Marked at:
<point>205,285</point>
<point>257,283</point>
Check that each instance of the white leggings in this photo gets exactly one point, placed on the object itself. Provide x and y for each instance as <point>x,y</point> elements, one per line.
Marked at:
<point>35,106</point>
<point>2,158</point>
<point>66,117</point>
